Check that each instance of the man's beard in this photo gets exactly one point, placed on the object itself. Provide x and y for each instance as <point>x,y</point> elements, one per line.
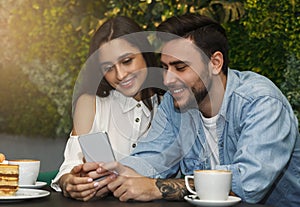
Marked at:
<point>200,95</point>
<point>196,97</point>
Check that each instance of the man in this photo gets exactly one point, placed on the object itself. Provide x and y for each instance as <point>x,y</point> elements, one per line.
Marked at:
<point>213,118</point>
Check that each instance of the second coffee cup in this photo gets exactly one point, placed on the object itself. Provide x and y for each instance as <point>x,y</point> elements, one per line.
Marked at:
<point>210,184</point>
<point>28,170</point>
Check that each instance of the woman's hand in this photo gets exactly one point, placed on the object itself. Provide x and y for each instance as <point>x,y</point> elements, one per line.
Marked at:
<point>80,185</point>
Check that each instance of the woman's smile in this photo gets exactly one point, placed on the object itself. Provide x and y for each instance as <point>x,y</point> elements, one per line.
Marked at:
<point>128,82</point>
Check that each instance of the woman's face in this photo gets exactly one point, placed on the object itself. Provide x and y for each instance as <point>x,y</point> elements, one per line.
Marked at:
<point>123,66</point>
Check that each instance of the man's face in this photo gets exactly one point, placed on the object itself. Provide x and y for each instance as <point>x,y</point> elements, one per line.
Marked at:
<point>186,75</point>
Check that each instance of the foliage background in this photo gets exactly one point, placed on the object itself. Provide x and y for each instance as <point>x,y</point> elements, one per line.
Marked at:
<point>45,43</point>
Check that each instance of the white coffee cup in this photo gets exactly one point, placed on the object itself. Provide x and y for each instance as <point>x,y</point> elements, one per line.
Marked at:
<point>28,170</point>
<point>210,184</point>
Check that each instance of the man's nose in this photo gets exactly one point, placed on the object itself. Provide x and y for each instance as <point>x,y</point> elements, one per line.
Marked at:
<point>169,77</point>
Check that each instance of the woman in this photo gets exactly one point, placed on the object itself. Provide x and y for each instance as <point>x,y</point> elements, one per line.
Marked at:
<point>123,105</point>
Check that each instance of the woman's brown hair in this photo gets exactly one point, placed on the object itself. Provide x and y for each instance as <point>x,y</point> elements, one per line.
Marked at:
<point>126,28</point>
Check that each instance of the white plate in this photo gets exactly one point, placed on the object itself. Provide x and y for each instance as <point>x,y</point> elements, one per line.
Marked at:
<point>193,199</point>
<point>23,194</point>
<point>38,184</point>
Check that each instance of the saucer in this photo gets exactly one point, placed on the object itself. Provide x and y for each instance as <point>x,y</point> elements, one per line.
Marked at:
<point>193,199</point>
<point>23,194</point>
<point>38,184</point>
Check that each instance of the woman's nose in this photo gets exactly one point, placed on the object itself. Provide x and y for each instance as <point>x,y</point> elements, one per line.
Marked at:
<point>120,72</point>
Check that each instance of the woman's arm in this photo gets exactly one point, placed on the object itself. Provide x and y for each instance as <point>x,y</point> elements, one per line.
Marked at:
<point>84,114</point>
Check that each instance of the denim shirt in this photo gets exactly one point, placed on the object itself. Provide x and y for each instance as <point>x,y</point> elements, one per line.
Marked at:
<point>258,141</point>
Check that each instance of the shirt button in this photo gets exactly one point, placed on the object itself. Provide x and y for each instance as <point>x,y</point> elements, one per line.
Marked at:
<point>138,105</point>
<point>137,120</point>
<point>133,145</point>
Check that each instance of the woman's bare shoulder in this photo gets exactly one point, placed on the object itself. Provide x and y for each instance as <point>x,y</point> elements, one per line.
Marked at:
<point>84,113</point>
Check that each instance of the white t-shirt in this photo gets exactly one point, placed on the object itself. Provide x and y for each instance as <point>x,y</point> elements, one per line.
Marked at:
<point>123,118</point>
<point>210,130</point>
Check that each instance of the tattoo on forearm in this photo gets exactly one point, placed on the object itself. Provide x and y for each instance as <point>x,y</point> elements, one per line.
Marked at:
<point>172,189</point>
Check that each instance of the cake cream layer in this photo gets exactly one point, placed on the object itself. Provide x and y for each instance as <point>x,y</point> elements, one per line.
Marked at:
<point>8,191</point>
<point>8,182</point>
<point>6,169</point>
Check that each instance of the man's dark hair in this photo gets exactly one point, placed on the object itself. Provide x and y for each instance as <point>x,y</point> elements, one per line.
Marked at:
<point>207,34</point>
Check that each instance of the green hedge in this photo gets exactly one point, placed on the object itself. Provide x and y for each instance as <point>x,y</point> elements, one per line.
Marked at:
<point>49,43</point>
<point>267,40</point>
<point>23,108</point>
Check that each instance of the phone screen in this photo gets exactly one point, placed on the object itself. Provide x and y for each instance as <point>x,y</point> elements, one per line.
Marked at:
<point>96,147</point>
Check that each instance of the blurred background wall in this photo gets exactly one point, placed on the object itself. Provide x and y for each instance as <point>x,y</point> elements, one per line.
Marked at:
<point>48,151</point>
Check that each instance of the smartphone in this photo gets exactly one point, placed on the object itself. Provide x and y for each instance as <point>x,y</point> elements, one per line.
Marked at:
<point>96,147</point>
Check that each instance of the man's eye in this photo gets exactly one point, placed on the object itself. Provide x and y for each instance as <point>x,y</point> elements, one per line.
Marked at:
<point>164,67</point>
<point>180,66</point>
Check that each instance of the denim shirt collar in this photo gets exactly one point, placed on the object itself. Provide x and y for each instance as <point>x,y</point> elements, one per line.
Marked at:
<point>231,84</point>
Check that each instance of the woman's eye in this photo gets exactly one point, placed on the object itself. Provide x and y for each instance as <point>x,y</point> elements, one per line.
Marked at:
<point>127,60</point>
<point>107,68</point>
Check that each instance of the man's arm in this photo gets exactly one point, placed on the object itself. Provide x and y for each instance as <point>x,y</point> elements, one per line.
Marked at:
<point>172,189</point>
<point>131,185</point>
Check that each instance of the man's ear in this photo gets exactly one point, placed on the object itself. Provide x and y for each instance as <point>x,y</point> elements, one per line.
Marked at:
<point>217,62</point>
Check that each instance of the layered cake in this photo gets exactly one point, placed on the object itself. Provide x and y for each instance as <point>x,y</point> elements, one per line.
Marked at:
<point>9,178</point>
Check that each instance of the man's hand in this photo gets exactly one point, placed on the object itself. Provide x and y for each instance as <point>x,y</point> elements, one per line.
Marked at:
<point>80,185</point>
<point>116,168</point>
<point>136,188</point>
<point>129,184</point>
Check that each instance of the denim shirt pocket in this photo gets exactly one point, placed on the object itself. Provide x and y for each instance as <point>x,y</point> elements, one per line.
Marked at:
<point>188,165</point>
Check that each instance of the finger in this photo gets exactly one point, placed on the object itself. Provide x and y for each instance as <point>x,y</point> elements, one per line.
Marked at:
<point>90,166</point>
<point>115,167</point>
<point>70,183</point>
<point>76,169</point>
<point>118,168</point>
<point>79,186</point>
<point>113,185</point>
<point>108,179</point>
<point>84,196</point>
<point>80,180</point>
<point>125,197</point>
<point>119,192</point>
<point>82,191</point>
<point>105,181</point>
<point>96,175</point>
<point>90,196</point>
<point>102,192</point>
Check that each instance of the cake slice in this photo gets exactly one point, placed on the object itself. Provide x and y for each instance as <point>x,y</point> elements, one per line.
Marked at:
<point>9,179</point>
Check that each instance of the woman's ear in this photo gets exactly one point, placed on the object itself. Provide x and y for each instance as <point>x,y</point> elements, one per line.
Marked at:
<point>217,62</point>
